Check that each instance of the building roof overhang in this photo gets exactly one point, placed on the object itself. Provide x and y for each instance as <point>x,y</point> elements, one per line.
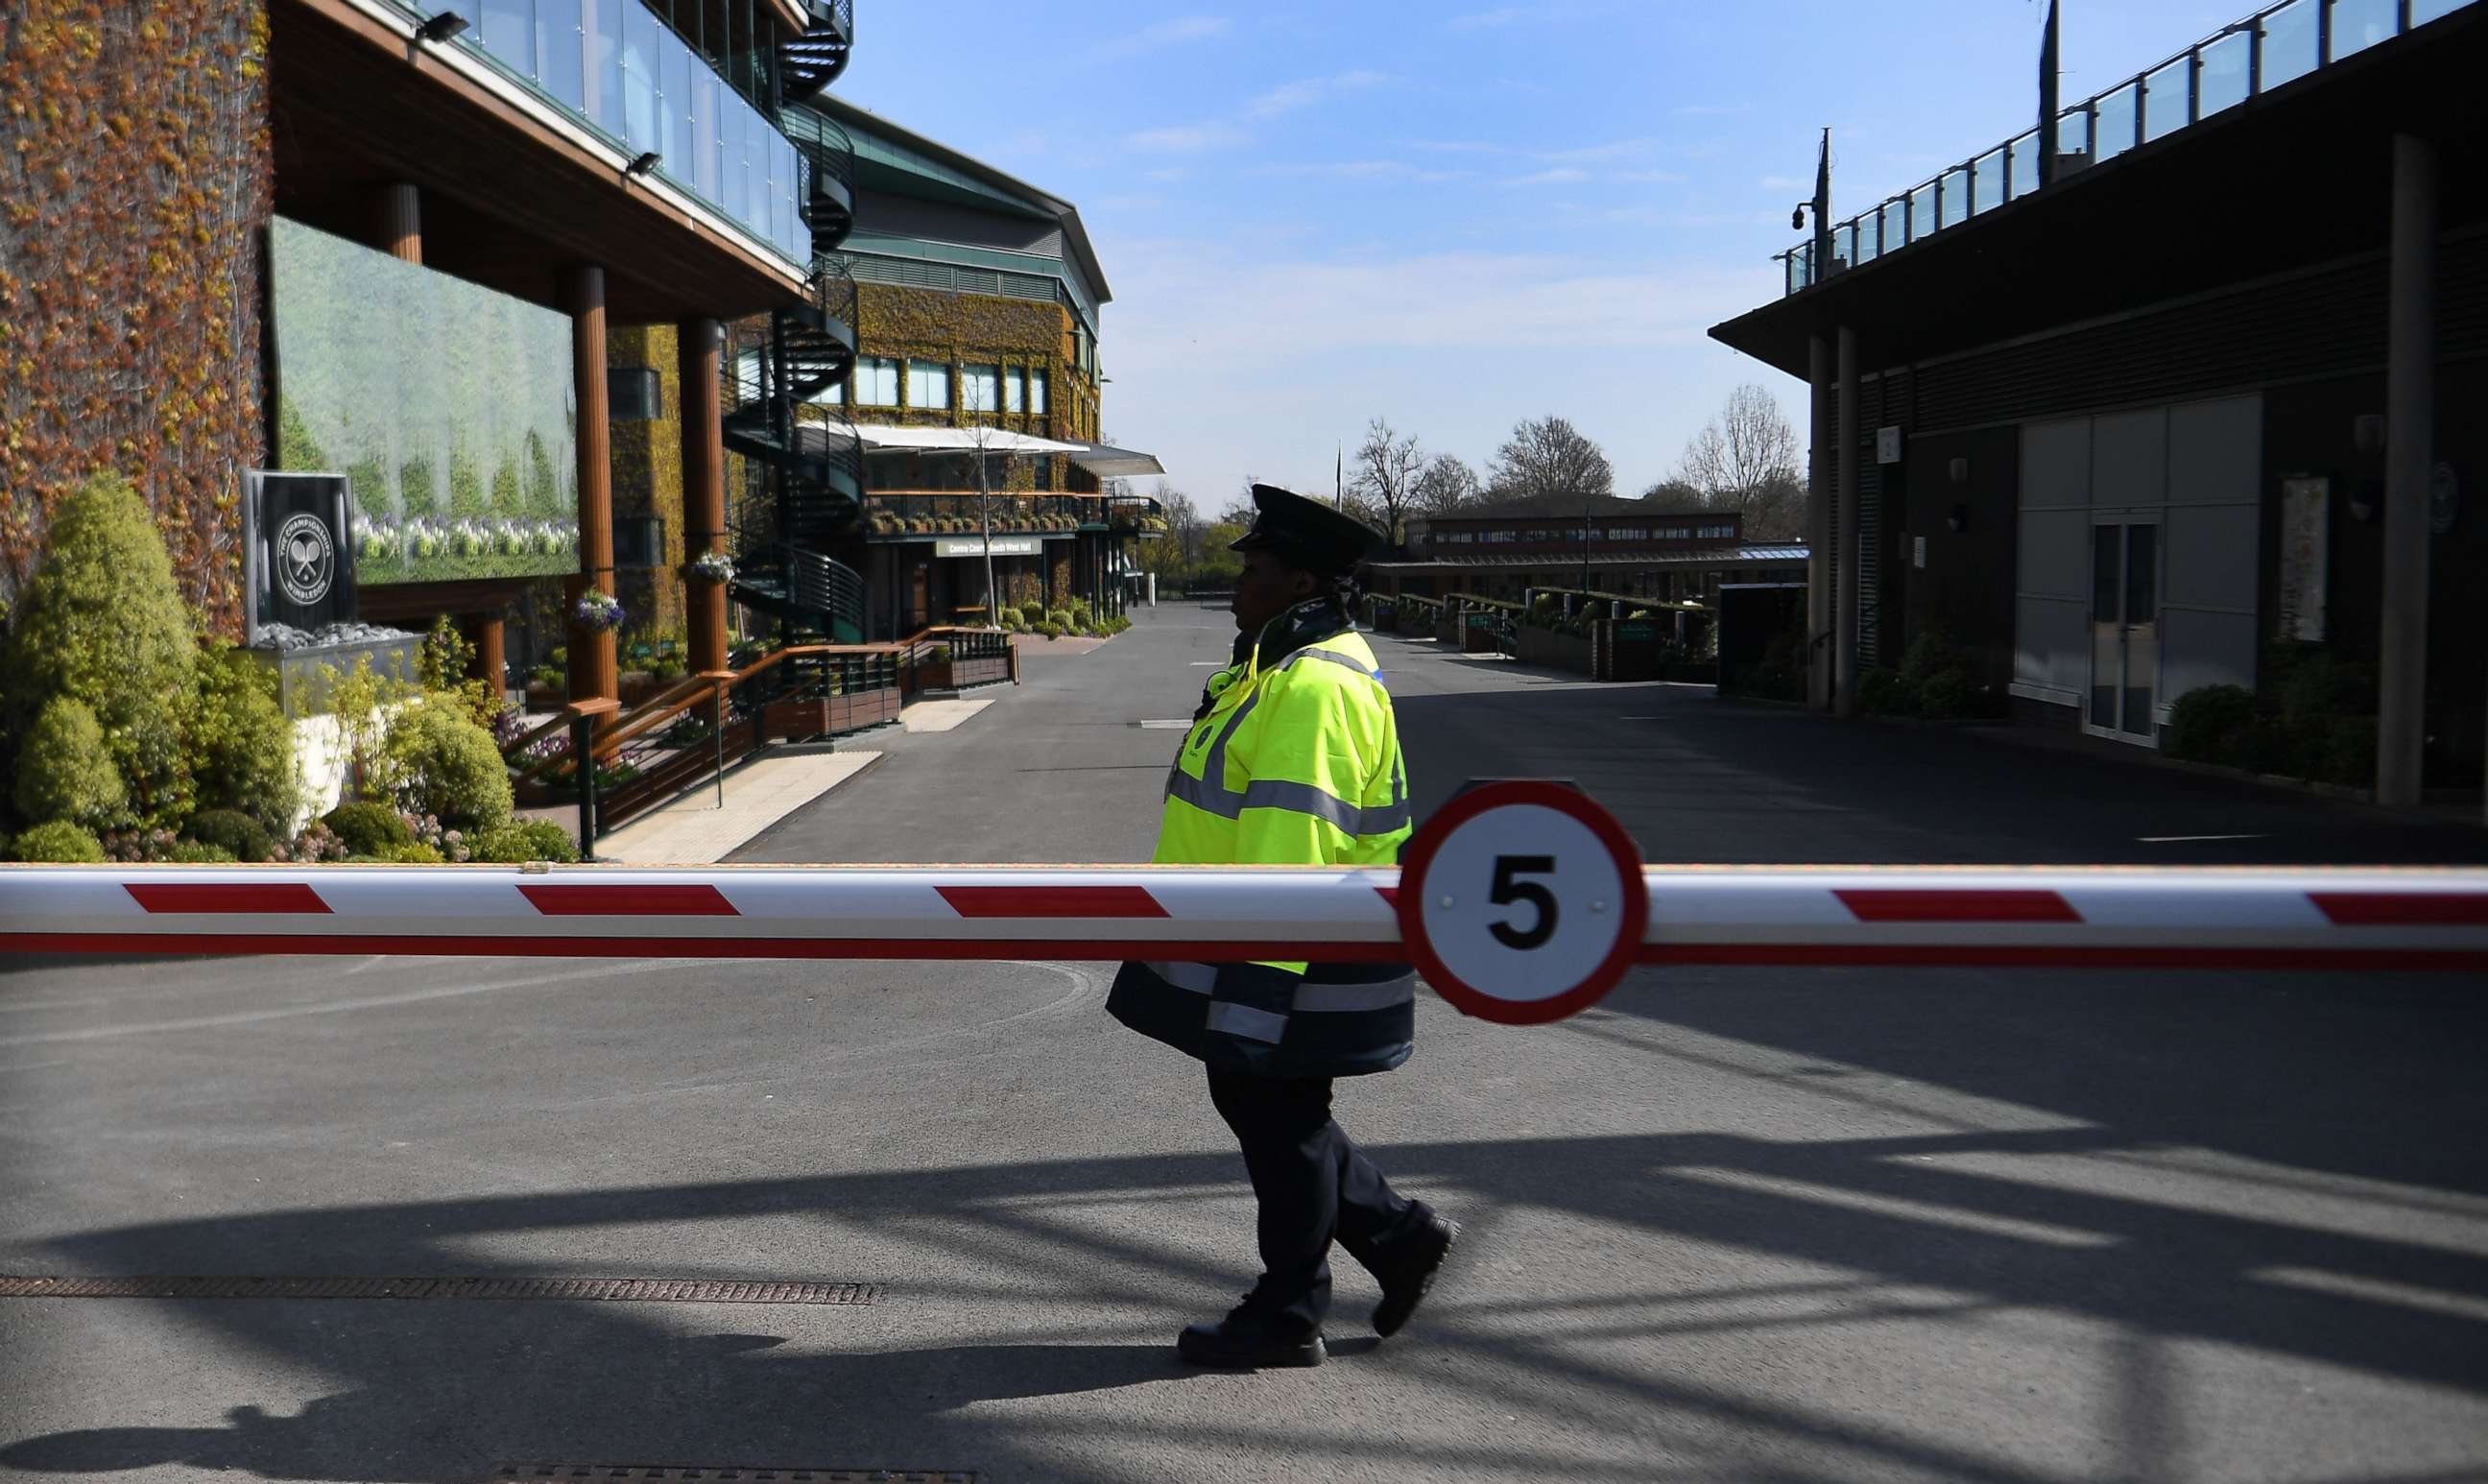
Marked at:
<point>512,193</point>
<point>2295,177</point>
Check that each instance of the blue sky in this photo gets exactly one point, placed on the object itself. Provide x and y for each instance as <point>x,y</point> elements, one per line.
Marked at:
<point>1458,215</point>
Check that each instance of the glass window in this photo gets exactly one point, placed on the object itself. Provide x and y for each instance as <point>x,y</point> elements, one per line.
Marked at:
<point>833,394</point>
<point>928,385</point>
<point>1922,211</point>
<point>1037,391</point>
<point>2289,42</point>
<point>510,34</point>
<point>876,381</point>
<point>673,103</point>
<point>1896,226</point>
<point>1956,197</point>
<point>2358,25</point>
<point>2164,100</point>
<point>747,375</point>
<point>980,388</point>
<point>734,184</point>
<point>557,54</point>
<point>2422,12</point>
<point>1015,389</point>
<point>2225,74</point>
<point>2114,126</point>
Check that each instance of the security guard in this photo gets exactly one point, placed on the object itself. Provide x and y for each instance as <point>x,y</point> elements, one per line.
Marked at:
<point>1293,760</point>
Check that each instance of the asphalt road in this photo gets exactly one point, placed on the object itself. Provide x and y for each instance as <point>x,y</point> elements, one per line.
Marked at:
<point>1754,1224</point>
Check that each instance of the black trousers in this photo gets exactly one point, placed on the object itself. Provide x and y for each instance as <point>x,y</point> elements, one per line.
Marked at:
<point>1314,1189</point>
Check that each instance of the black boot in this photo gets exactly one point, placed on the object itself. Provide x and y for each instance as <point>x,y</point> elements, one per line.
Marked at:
<point>1407,1270</point>
<point>1249,1338</point>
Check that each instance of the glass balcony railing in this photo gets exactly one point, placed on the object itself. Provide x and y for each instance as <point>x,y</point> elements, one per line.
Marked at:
<point>616,66</point>
<point>2275,45</point>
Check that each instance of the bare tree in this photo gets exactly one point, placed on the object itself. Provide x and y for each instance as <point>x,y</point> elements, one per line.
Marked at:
<point>1548,456</point>
<point>1745,459</point>
<point>1444,485</point>
<point>1385,486</point>
<point>1676,494</point>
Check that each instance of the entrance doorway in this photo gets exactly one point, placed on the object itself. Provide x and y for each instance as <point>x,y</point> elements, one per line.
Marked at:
<point>2125,630</point>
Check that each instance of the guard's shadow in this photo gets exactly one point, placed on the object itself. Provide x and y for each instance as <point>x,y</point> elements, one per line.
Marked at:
<point>780,1400</point>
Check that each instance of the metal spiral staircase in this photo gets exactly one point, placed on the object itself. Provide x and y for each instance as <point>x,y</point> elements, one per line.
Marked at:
<point>812,61</point>
<point>816,472</point>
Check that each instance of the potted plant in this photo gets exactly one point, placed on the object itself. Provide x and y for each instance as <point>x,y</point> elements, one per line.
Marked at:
<point>714,566</point>
<point>598,612</point>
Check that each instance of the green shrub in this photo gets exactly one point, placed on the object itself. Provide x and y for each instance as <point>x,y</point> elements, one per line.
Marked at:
<point>368,829</point>
<point>1050,629</point>
<point>525,839</point>
<point>1031,612</point>
<point>240,745</point>
<point>62,771</point>
<point>1880,692</point>
<point>102,622</point>
<point>198,852</point>
<point>1059,617</point>
<point>239,836</point>
<point>62,842</point>
<point>414,853</point>
<point>439,763</point>
<point>2211,723</point>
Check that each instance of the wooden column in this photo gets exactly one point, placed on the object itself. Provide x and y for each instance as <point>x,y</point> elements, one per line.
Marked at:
<point>399,213</point>
<point>696,366</point>
<point>592,671</point>
<point>491,658</point>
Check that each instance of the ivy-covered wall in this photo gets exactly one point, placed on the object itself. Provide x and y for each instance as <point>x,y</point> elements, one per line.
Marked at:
<point>134,171</point>
<point>648,474</point>
<point>905,324</point>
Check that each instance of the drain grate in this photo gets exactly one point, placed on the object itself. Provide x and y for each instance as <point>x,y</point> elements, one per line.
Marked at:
<point>507,1473</point>
<point>608,1290</point>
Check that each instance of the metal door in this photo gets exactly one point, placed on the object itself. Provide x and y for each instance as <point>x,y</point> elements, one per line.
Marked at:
<point>2125,630</point>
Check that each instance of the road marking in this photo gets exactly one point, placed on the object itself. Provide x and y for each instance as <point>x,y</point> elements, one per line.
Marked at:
<point>1208,664</point>
<point>2175,839</point>
<point>1179,725</point>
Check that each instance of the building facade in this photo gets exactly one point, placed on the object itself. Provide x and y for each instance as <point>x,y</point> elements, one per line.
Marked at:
<point>966,409</point>
<point>390,242</point>
<point>2188,413</point>
<point>1598,544</point>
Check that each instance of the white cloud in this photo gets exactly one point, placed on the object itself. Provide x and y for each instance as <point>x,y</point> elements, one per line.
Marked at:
<point>1230,357</point>
<point>1361,169</point>
<point>1165,33</point>
<point>1461,146</point>
<point>1614,149</point>
<point>1484,20</point>
<point>1563,176</point>
<point>1287,98</point>
<point>1187,138</point>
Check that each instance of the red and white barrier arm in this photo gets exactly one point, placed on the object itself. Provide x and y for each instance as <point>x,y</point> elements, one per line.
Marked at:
<point>2380,919</point>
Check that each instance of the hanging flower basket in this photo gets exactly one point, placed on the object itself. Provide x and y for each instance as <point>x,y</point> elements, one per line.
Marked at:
<point>598,612</point>
<point>717,566</point>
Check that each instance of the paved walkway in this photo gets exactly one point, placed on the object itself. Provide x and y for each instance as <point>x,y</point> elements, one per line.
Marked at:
<point>695,829</point>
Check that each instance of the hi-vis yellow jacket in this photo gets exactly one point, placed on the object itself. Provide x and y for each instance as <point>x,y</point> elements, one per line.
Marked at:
<point>1292,759</point>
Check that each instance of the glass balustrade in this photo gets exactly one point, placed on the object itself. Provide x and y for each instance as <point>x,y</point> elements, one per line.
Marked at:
<point>2269,50</point>
<point>616,66</point>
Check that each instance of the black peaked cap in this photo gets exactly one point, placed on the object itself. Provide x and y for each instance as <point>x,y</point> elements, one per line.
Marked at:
<point>1308,532</point>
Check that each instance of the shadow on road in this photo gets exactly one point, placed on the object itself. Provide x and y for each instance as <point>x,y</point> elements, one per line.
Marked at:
<point>2332,1087</point>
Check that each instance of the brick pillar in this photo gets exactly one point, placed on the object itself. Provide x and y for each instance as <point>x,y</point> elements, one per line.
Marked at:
<point>592,671</point>
<point>696,369</point>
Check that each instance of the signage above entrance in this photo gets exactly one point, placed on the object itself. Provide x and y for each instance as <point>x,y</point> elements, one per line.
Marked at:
<point>1002,546</point>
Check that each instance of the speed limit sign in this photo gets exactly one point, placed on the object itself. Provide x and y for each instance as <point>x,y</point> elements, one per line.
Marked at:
<point>1522,901</point>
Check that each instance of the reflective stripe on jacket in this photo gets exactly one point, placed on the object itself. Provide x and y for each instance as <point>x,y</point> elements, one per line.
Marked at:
<point>1293,760</point>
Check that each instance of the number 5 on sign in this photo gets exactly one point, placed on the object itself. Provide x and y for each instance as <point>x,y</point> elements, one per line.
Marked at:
<point>1522,903</point>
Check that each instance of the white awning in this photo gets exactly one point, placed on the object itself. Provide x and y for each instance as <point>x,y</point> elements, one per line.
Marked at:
<point>1108,462</point>
<point>879,437</point>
